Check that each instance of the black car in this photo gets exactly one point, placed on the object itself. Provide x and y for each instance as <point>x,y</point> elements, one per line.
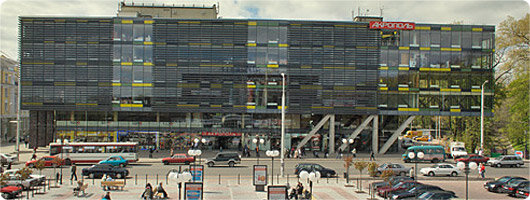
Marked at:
<point>312,167</point>
<point>495,186</point>
<point>513,185</point>
<point>98,170</point>
<point>393,181</point>
<point>438,195</point>
<point>522,192</point>
<point>415,191</point>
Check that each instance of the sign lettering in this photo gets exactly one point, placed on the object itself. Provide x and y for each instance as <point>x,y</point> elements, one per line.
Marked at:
<point>392,25</point>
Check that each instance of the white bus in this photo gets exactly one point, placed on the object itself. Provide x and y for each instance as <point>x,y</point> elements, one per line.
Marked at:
<point>93,152</point>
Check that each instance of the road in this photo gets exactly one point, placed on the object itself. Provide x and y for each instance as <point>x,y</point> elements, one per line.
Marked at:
<point>153,167</point>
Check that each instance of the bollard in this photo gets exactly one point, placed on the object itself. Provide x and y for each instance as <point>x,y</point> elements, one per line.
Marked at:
<point>239,179</point>
<point>287,178</point>
<point>166,178</point>
<point>135,179</point>
<point>32,191</point>
<point>44,185</point>
<point>337,180</point>
<point>327,179</point>
<point>156,179</point>
<point>27,194</point>
<point>145,179</point>
<point>219,179</point>
<point>93,180</point>
<point>277,179</point>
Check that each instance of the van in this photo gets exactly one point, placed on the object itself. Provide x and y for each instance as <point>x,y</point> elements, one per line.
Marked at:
<point>412,134</point>
<point>432,154</point>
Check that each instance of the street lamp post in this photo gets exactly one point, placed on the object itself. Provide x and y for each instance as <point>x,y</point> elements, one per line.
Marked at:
<point>257,141</point>
<point>482,115</point>
<point>282,150</point>
<point>195,153</point>
<point>466,167</point>
<point>272,154</point>
<point>347,141</point>
<point>419,156</point>
<point>63,143</point>
<point>180,178</point>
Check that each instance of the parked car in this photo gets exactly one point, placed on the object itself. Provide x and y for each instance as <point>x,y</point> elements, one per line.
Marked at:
<point>424,138</point>
<point>13,172</point>
<point>512,185</point>
<point>522,192</point>
<point>431,195</point>
<point>224,158</point>
<point>48,162</point>
<point>23,183</point>
<point>402,186</point>
<point>440,169</point>
<point>7,158</point>
<point>414,192</point>
<point>398,169</point>
<point>506,160</point>
<point>494,186</point>
<point>98,170</point>
<point>393,181</point>
<point>116,161</point>
<point>473,158</point>
<point>313,167</point>
<point>10,192</point>
<point>178,158</point>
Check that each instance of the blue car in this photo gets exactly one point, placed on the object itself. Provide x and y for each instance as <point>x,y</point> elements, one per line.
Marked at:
<point>116,161</point>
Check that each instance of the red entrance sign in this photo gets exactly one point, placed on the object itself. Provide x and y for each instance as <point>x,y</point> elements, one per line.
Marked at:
<point>392,25</point>
<point>220,134</point>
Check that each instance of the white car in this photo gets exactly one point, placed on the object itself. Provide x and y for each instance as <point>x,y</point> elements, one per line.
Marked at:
<point>7,158</point>
<point>13,172</point>
<point>24,184</point>
<point>440,169</point>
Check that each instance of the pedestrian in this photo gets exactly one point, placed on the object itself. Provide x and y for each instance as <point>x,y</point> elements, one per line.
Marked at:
<point>480,152</point>
<point>26,142</point>
<point>299,188</point>
<point>151,150</point>
<point>8,166</point>
<point>171,152</point>
<point>74,172</point>
<point>148,192</point>
<point>354,152</point>
<point>326,153</point>
<point>411,173</point>
<point>315,153</point>
<point>339,154</point>
<point>372,155</point>
<point>34,156</point>
<point>482,170</point>
<point>106,197</point>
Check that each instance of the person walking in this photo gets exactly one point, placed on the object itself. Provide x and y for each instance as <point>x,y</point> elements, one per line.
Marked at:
<point>354,152</point>
<point>8,166</point>
<point>74,172</point>
<point>171,152</point>
<point>482,170</point>
<point>106,197</point>
<point>151,150</point>
<point>372,156</point>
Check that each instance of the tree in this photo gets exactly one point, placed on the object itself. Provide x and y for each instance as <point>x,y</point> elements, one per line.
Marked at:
<point>348,161</point>
<point>39,165</point>
<point>360,165</point>
<point>57,162</point>
<point>387,174</point>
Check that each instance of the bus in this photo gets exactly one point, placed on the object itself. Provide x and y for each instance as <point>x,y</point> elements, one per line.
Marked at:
<point>93,152</point>
<point>433,154</point>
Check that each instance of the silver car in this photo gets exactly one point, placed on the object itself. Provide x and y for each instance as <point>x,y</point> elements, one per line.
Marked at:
<point>224,158</point>
<point>7,158</point>
<point>398,169</point>
<point>507,160</point>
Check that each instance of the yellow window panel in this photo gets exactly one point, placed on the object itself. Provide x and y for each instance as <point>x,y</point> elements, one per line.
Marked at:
<point>126,21</point>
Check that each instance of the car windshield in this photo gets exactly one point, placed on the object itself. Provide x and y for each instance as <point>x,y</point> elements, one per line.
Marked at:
<point>425,195</point>
<point>383,165</point>
<point>515,183</point>
<point>399,185</point>
<point>7,155</point>
<point>434,166</point>
<point>459,149</point>
<point>503,179</point>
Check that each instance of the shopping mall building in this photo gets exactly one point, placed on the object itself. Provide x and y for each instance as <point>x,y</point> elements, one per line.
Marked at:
<point>161,80</point>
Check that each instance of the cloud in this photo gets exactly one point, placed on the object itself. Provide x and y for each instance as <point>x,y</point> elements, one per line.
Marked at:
<point>482,12</point>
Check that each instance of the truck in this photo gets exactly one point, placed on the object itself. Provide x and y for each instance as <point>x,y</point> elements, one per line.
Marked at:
<point>457,150</point>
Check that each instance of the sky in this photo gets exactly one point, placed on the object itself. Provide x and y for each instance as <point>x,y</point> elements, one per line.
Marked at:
<point>479,12</point>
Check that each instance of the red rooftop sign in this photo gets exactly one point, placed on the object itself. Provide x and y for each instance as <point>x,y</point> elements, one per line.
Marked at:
<point>392,25</point>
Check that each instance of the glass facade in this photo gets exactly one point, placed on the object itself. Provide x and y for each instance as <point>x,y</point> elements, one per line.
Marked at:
<point>112,77</point>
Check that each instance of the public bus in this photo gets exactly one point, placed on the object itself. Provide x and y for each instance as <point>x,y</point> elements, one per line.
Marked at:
<point>93,152</point>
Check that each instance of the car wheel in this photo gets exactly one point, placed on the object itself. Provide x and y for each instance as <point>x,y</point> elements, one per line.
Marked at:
<point>499,165</point>
<point>119,175</point>
<point>187,162</point>
<point>91,175</point>
<point>166,163</point>
<point>210,164</point>
<point>402,173</point>
<point>518,165</point>
<point>454,174</point>
<point>231,164</point>
<point>431,173</point>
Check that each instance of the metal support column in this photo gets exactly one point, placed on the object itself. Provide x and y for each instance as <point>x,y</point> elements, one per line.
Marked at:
<point>312,132</point>
<point>332,134</point>
<point>375,134</point>
<point>395,135</point>
<point>357,131</point>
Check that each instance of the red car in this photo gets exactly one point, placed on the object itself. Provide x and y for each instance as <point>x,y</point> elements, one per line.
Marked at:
<point>473,158</point>
<point>10,192</point>
<point>402,186</point>
<point>48,162</point>
<point>178,158</point>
